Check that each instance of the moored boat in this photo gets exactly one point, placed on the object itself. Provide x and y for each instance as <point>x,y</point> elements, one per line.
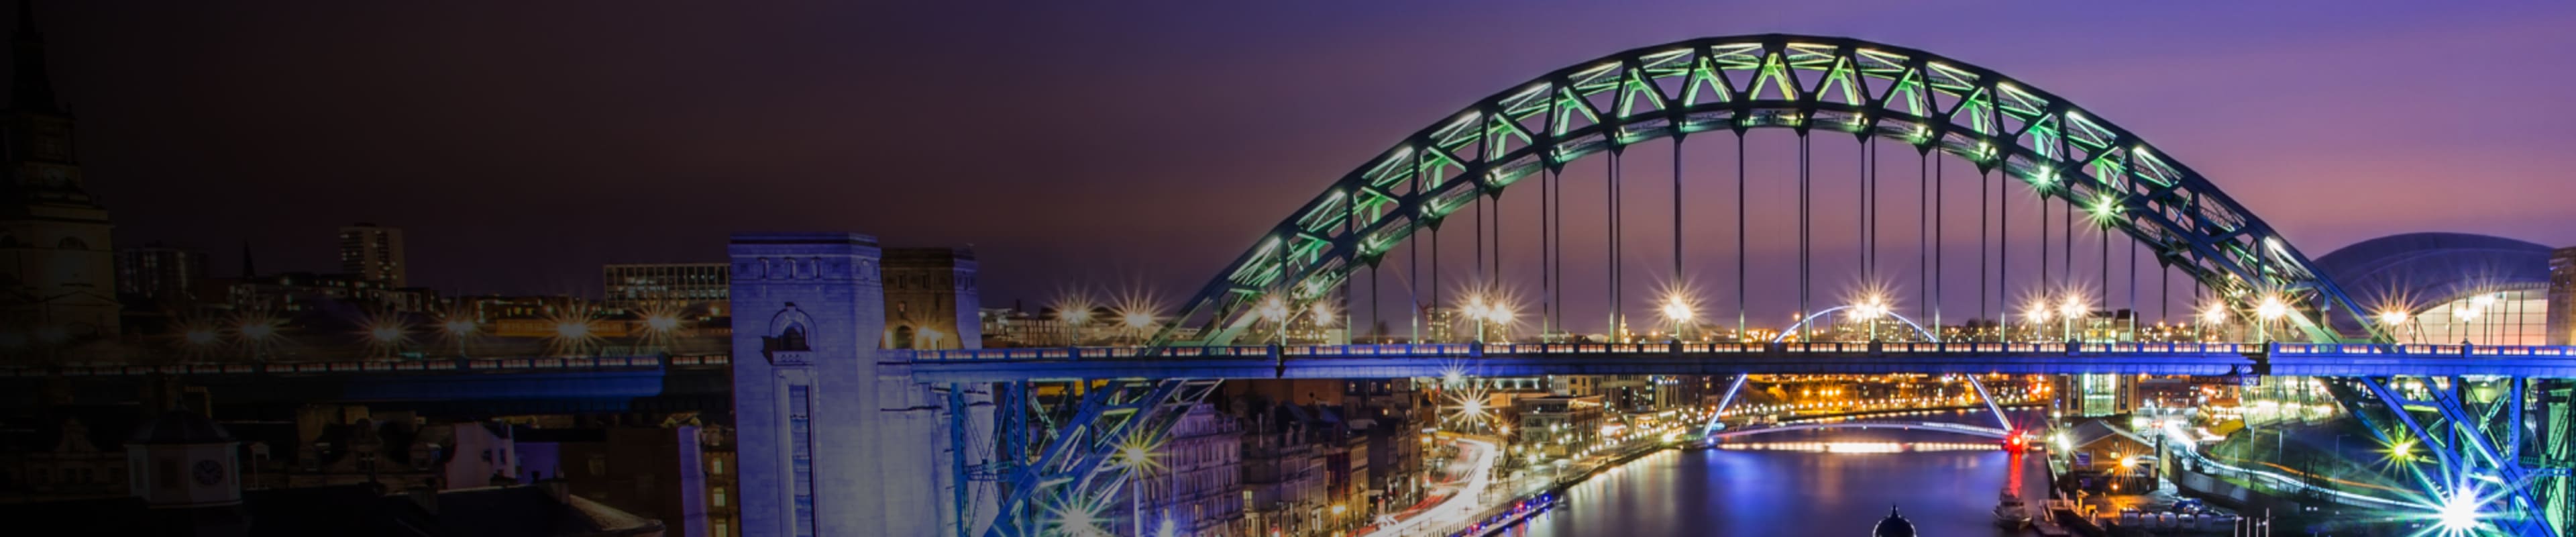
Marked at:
<point>2010,512</point>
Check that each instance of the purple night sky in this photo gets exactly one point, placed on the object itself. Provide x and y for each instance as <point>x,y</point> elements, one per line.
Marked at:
<point>521,146</point>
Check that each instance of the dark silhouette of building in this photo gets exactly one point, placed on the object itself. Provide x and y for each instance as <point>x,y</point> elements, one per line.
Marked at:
<point>57,272</point>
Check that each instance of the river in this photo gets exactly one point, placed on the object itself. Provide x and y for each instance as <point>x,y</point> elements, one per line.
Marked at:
<point>1835,482</point>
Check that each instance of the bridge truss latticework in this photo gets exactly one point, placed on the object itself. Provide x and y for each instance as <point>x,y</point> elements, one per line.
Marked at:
<point>1734,84</point>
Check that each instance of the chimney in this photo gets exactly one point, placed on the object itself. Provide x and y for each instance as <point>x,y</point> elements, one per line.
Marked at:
<point>428,499</point>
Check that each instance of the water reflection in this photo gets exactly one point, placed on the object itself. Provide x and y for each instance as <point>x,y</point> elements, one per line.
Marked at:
<point>1807,483</point>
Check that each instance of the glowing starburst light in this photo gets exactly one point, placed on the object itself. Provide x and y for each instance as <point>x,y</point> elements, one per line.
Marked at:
<point>2459,514</point>
<point>2036,311</point>
<point>2392,317</point>
<point>1073,309</point>
<point>1467,407</point>
<point>2272,308</point>
<point>1136,452</point>
<point>1870,308</point>
<point>1273,309</point>
<point>2214,314</point>
<point>572,334</point>
<point>1677,310</point>
<point>1137,310</point>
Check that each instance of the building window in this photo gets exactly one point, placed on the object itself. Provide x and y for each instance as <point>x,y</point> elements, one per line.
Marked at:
<point>793,339</point>
<point>720,497</point>
<point>718,467</point>
<point>723,529</point>
<point>801,457</point>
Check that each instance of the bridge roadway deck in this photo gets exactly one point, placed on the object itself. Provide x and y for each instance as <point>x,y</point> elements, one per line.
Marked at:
<point>1431,360</point>
<point>551,378</point>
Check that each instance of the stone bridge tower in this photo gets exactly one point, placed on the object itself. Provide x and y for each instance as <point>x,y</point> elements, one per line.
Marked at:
<point>831,440</point>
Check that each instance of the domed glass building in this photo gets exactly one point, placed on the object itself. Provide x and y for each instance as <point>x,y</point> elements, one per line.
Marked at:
<point>2446,287</point>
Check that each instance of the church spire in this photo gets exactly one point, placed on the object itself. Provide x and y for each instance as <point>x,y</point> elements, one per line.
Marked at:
<point>33,87</point>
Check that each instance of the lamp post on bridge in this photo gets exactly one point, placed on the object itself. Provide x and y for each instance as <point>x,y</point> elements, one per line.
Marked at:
<point>2271,309</point>
<point>2038,315</point>
<point>1679,312</point>
<point>1870,309</point>
<point>1275,310</point>
<point>2212,315</point>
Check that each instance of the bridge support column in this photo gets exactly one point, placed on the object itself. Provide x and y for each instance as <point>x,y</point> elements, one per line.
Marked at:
<point>830,441</point>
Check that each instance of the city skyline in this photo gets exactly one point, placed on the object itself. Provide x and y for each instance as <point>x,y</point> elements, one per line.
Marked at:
<point>1221,269</point>
<point>509,186</point>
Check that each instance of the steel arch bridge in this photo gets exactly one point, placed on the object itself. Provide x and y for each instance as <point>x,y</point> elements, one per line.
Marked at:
<point>1805,84</point>
<point>1735,84</point>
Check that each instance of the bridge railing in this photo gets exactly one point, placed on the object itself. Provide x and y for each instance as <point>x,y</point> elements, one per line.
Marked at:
<point>441,365</point>
<point>1388,350</point>
<point>1473,350</point>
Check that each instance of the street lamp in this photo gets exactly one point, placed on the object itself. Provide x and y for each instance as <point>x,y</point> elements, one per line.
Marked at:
<point>1870,309</point>
<point>1679,312</point>
<point>2468,314</point>
<point>2038,315</point>
<point>2069,311</point>
<point>2212,315</point>
<point>2270,310</point>
<point>2390,319</point>
<point>1275,310</point>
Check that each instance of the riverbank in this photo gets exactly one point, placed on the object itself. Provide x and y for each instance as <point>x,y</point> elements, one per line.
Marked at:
<point>1509,513</point>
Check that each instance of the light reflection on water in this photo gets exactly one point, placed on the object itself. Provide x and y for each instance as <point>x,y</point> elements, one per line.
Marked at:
<point>1857,447</point>
<point>1804,483</point>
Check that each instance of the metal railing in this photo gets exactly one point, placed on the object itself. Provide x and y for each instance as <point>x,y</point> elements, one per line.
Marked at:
<point>1388,350</point>
<point>444,365</point>
<point>1476,350</point>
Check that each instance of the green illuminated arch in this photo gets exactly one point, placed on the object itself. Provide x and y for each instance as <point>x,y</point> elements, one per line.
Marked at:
<point>1796,82</point>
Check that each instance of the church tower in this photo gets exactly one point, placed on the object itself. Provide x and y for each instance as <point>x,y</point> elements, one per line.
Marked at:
<point>57,266</point>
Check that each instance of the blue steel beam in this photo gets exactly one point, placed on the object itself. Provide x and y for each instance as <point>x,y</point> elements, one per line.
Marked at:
<point>2457,469</point>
